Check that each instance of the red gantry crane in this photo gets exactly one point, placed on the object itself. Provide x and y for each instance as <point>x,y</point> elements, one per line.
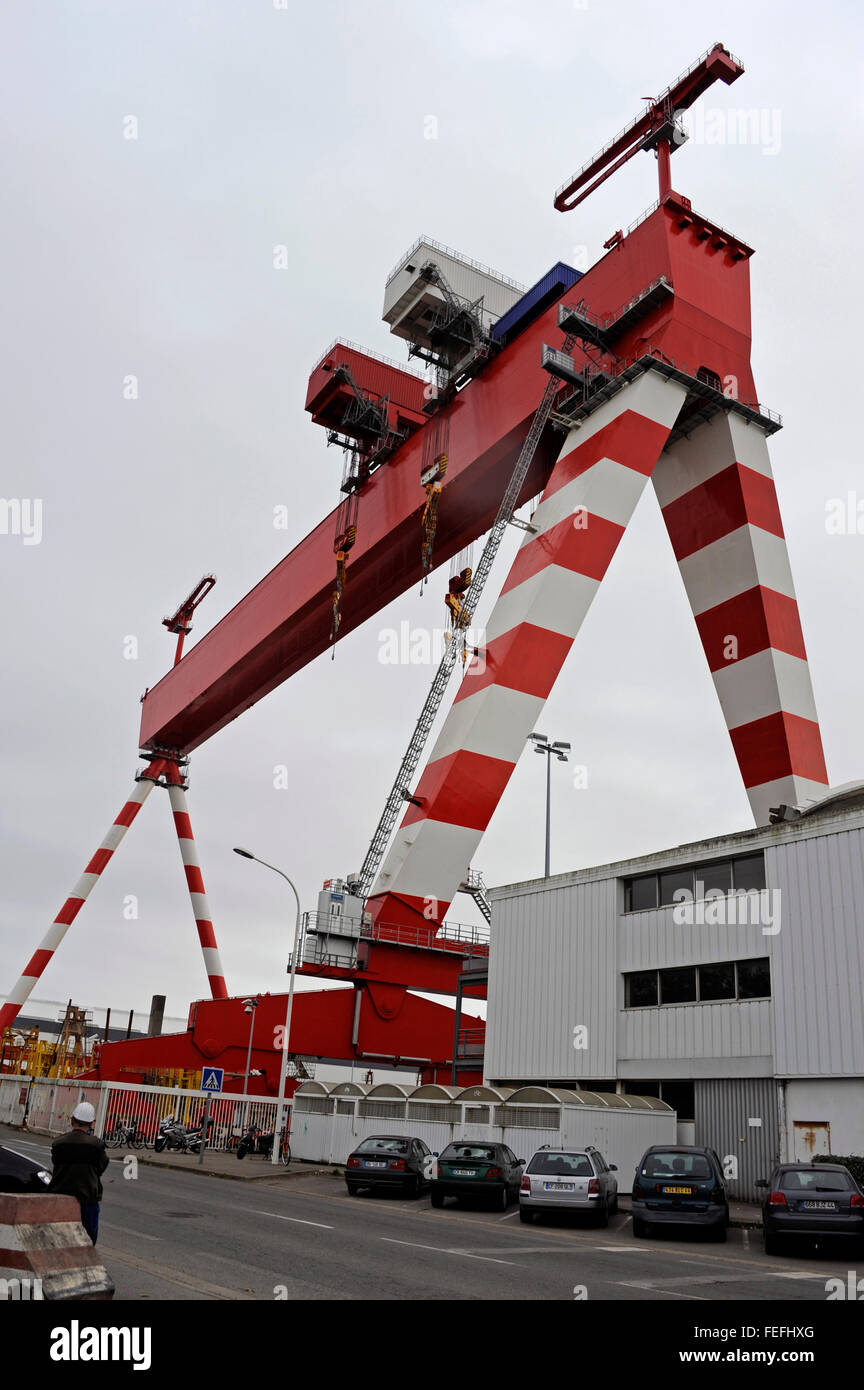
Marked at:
<point>651,381</point>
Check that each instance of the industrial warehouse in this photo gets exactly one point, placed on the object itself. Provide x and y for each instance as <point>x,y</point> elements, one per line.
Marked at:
<point>377,1052</point>
<point>753,1031</point>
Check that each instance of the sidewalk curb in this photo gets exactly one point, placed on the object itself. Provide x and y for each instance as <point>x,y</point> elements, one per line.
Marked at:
<point>199,1168</point>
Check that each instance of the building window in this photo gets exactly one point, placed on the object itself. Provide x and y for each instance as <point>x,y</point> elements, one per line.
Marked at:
<point>681,1096</point>
<point>749,872</point>
<point>717,981</point>
<point>642,989</point>
<point>744,874</point>
<point>715,876</point>
<point>641,893</point>
<point>703,984</point>
<point>678,986</point>
<point>754,979</point>
<point>675,881</point>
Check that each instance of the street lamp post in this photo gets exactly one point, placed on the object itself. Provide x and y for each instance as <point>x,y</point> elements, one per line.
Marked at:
<point>249,1007</point>
<point>542,745</point>
<point>283,1072</point>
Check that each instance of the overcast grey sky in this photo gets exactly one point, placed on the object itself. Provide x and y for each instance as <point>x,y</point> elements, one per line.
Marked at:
<point>305,125</point>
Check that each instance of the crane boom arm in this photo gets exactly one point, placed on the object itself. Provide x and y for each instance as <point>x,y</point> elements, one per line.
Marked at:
<point>717,64</point>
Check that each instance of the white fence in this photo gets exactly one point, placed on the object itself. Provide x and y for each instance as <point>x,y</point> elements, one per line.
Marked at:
<point>122,1109</point>
<point>329,1121</point>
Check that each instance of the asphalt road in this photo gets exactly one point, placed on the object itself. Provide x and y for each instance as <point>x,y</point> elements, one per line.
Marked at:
<point>165,1235</point>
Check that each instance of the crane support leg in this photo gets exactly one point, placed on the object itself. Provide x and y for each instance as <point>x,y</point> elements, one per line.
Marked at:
<point>195,883</point>
<point>716,492</point>
<point>80,893</point>
<point>591,494</point>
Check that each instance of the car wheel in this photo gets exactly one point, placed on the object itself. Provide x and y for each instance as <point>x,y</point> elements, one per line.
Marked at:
<point>437,1198</point>
<point>614,1207</point>
<point>353,1189</point>
<point>412,1186</point>
<point>526,1216</point>
<point>603,1215</point>
<point>771,1245</point>
<point>640,1228</point>
<point>720,1233</point>
<point>502,1202</point>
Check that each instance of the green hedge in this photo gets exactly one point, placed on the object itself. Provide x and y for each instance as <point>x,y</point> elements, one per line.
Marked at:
<point>854,1162</point>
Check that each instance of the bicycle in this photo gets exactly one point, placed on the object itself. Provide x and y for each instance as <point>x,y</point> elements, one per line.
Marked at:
<point>285,1147</point>
<point>125,1134</point>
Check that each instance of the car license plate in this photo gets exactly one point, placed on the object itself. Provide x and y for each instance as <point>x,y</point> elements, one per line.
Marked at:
<point>559,1187</point>
<point>819,1206</point>
<point>463,1172</point>
<point>678,1191</point>
<point>373,1163</point>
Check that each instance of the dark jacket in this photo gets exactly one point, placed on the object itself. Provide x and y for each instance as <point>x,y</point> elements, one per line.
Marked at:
<point>78,1160</point>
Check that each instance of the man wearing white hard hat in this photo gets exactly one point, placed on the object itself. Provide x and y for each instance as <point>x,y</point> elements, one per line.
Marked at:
<point>79,1160</point>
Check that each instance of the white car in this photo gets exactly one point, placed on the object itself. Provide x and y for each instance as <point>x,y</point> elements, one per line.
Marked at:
<point>578,1180</point>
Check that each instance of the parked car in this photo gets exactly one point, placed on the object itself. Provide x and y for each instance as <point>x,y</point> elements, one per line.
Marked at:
<point>389,1160</point>
<point>680,1185</point>
<point>577,1180</point>
<point>480,1170</point>
<point>810,1199</point>
<point>20,1174</point>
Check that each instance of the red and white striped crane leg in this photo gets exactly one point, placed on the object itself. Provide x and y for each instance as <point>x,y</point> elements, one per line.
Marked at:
<point>195,883</point>
<point>592,491</point>
<point>79,895</point>
<point>717,495</point>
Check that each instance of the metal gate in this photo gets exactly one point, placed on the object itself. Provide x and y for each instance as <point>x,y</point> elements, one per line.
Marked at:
<point>739,1118</point>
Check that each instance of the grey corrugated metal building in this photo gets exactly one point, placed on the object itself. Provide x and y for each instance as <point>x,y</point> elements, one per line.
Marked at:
<point>726,976</point>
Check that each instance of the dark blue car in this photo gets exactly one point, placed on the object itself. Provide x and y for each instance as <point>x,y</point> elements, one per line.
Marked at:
<point>810,1199</point>
<point>677,1185</point>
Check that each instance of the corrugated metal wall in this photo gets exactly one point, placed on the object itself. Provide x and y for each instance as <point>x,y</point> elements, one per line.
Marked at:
<point>727,1030</point>
<point>724,1110</point>
<point>552,967</point>
<point>818,955</point>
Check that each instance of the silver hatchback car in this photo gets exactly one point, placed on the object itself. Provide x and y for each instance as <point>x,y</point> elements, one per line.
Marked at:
<point>578,1180</point>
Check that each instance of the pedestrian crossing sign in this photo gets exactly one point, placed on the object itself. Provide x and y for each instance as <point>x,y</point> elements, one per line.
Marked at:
<point>212,1078</point>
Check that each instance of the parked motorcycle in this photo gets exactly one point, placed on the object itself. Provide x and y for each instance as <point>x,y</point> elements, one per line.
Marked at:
<point>174,1135</point>
<point>255,1141</point>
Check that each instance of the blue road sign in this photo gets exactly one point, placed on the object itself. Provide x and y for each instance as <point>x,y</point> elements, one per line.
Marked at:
<point>212,1078</point>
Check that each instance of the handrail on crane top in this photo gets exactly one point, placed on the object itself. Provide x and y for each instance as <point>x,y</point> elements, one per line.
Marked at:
<point>632,136</point>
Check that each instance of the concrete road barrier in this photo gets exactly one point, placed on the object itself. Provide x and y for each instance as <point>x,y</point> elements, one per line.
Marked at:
<point>45,1253</point>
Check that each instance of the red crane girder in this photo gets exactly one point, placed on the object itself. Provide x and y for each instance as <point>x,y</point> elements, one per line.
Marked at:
<point>285,621</point>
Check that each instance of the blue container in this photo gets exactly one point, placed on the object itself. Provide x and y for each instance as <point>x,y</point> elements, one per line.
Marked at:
<point>534,301</point>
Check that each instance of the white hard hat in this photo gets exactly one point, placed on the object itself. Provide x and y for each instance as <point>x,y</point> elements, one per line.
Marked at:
<point>84,1112</point>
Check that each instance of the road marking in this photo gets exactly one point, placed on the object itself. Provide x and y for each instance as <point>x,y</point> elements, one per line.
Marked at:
<point>614,1250</point>
<point>181,1279</point>
<point>509,1216</point>
<point>521,1250</point>
<point>667,1293</point>
<point>296,1219</point>
<point>806,1274</point>
<point>139,1235</point>
<point>442,1250</point>
<point>23,1144</point>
